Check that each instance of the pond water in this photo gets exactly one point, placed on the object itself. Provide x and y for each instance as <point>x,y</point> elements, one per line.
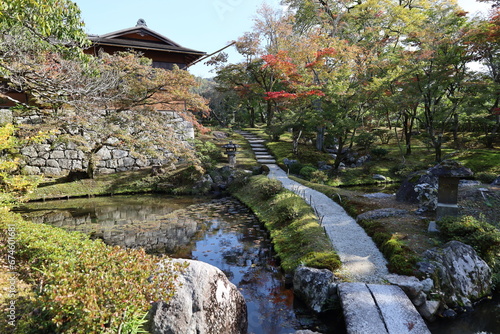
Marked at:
<point>221,232</point>
<point>225,234</point>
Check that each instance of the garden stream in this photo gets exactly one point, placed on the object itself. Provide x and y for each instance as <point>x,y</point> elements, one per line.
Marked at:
<point>224,233</point>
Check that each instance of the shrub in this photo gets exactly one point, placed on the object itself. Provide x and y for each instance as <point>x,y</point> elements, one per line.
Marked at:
<point>323,260</point>
<point>379,152</point>
<point>286,209</point>
<point>83,285</point>
<point>307,171</point>
<point>486,177</point>
<point>207,152</point>
<point>296,168</point>
<point>365,140</point>
<point>269,188</point>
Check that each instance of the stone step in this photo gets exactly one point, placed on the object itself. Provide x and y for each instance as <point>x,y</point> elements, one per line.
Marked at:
<point>257,146</point>
<point>266,161</point>
<point>264,156</point>
<point>360,311</point>
<point>399,313</point>
<point>374,308</point>
<point>259,149</point>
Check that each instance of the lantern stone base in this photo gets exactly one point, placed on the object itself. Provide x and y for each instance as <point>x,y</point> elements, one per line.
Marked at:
<point>444,210</point>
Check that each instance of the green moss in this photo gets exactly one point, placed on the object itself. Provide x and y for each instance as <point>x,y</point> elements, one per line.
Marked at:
<point>295,232</point>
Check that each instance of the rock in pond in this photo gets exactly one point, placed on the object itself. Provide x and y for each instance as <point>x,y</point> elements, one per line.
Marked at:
<point>316,287</point>
<point>205,302</point>
<point>459,274</point>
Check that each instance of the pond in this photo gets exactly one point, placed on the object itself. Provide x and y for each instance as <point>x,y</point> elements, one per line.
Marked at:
<point>226,234</point>
<point>222,232</point>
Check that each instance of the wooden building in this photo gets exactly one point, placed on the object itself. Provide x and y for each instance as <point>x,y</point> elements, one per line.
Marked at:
<point>164,52</point>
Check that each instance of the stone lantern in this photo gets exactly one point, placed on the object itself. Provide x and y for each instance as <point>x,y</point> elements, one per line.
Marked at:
<point>231,153</point>
<point>448,173</point>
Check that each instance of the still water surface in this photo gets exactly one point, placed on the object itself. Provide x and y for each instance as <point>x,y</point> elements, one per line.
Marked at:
<point>221,232</point>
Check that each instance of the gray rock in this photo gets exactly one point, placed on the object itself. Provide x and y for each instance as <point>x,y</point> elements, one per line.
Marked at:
<point>459,274</point>
<point>409,284</point>
<point>419,299</point>
<point>378,195</point>
<point>205,302</point>
<point>29,151</point>
<point>306,332</point>
<point>433,228</point>
<point>6,117</point>
<point>496,182</point>
<point>428,284</point>
<point>429,309</point>
<point>314,287</point>
<point>71,154</point>
<point>53,163</point>
<point>379,177</point>
<point>382,213</point>
<point>57,155</point>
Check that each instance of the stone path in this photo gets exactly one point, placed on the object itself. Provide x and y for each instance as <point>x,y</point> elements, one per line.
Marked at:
<point>368,307</point>
<point>361,259</point>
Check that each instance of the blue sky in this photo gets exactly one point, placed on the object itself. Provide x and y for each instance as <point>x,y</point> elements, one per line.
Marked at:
<point>204,25</point>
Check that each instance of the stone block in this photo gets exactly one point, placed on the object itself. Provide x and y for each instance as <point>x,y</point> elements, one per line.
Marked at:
<point>104,153</point>
<point>57,155</point>
<point>65,163</point>
<point>31,170</point>
<point>77,164</point>
<point>118,154</point>
<point>6,116</point>
<point>410,284</point>
<point>71,154</point>
<point>29,151</point>
<point>128,162</point>
<point>398,312</point>
<point>51,171</point>
<point>53,163</point>
<point>38,162</point>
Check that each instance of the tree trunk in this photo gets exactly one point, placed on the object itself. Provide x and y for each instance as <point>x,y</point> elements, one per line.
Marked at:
<point>270,113</point>
<point>296,143</point>
<point>320,138</point>
<point>252,116</point>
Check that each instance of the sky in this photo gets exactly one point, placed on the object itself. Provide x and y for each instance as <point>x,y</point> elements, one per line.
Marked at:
<point>203,25</point>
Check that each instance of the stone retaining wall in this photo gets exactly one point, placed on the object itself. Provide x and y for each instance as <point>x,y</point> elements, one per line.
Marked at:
<point>55,157</point>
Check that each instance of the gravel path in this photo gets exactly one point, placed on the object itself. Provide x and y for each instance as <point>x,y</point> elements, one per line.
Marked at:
<point>362,261</point>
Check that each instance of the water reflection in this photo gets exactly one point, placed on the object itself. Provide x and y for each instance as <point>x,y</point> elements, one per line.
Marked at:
<point>484,320</point>
<point>221,232</point>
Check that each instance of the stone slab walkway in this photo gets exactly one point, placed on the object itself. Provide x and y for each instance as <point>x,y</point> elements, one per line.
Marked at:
<point>381,309</point>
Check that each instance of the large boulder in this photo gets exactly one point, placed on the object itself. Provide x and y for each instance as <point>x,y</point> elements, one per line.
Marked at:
<point>315,287</point>
<point>205,302</point>
<point>407,192</point>
<point>459,274</point>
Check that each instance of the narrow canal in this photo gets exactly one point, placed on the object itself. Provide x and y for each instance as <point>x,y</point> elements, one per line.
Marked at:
<point>221,232</point>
